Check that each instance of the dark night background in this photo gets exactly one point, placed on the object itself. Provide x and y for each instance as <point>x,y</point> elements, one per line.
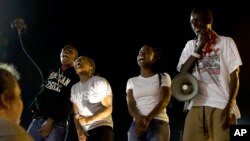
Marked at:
<point>110,33</point>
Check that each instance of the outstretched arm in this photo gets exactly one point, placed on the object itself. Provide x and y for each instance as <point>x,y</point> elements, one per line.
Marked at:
<point>21,27</point>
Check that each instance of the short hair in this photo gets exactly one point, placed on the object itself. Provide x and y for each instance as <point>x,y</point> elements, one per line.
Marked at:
<point>159,65</point>
<point>8,77</point>
<point>91,62</point>
<point>206,12</point>
<point>73,47</point>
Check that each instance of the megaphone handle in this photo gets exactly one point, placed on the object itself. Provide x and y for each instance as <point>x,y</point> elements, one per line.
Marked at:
<point>185,108</point>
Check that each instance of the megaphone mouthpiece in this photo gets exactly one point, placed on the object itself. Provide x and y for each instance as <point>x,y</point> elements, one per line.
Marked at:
<point>184,87</point>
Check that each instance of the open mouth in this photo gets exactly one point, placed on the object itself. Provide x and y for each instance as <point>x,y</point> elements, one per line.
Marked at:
<point>141,59</point>
<point>65,56</point>
<point>197,30</point>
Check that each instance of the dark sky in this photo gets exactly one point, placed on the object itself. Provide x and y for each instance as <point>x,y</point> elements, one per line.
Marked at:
<point>111,33</point>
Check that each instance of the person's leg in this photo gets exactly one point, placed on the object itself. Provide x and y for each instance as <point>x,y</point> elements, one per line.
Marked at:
<point>131,133</point>
<point>193,127</point>
<point>71,134</point>
<point>102,133</point>
<point>158,130</point>
<point>34,127</point>
<point>58,132</point>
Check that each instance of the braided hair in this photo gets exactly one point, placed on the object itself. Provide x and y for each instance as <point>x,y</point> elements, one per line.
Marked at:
<point>159,65</point>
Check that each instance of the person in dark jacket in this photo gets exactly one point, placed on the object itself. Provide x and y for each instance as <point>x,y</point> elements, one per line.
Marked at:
<point>52,107</point>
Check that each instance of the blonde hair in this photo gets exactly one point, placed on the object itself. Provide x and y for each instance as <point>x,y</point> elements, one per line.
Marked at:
<point>11,69</point>
<point>8,78</point>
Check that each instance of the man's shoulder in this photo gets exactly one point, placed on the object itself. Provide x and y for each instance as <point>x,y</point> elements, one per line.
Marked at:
<point>6,127</point>
<point>224,38</point>
<point>11,131</point>
<point>99,78</point>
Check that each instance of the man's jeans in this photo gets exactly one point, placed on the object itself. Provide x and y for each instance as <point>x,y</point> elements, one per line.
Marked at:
<point>58,132</point>
<point>157,130</point>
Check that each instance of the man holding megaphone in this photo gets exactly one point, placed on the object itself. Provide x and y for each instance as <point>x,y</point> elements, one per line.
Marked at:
<point>214,61</point>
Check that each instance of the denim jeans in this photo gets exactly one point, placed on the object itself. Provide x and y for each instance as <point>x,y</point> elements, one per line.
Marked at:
<point>157,130</point>
<point>58,132</point>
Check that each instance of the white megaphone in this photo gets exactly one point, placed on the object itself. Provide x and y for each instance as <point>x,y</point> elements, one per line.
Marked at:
<point>184,87</point>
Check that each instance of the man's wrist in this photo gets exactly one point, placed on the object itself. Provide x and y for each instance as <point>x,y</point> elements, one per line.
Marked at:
<point>196,55</point>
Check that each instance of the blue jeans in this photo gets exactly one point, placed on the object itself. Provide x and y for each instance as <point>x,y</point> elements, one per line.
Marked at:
<point>158,130</point>
<point>58,132</point>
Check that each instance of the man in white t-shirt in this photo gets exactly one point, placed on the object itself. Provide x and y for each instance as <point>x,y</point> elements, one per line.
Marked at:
<point>214,60</point>
<point>92,101</point>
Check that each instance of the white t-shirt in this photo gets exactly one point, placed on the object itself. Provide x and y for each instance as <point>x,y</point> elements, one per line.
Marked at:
<point>213,71</point>
<point>146,92</point>
<point>88,95</point>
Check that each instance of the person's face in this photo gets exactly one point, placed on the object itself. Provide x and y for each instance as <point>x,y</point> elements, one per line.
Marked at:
<point>68,55</point>
<point>15,107</point>
<point>199,23</point>
<point>82,66</point>
<point>146,56</point>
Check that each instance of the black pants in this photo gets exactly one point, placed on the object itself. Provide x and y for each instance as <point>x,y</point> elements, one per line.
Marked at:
<point>102,133</point>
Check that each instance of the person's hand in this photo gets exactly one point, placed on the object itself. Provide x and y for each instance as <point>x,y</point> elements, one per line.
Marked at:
<point>19,24</point>
<point>46,128</point>
<point>139,131</point>
<point>203,37</point>
<point>229,117</point>
<point>82,119</point>
<point>82,136</point>
<point>142,123</point>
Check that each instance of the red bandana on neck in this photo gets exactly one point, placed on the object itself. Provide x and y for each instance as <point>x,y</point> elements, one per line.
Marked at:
<point>208,48</point>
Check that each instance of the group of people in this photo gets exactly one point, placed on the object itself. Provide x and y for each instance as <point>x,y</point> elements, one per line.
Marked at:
<point>73,98</point>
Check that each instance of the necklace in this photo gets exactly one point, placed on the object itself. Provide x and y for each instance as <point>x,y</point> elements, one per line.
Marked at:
<point>60,75</point>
